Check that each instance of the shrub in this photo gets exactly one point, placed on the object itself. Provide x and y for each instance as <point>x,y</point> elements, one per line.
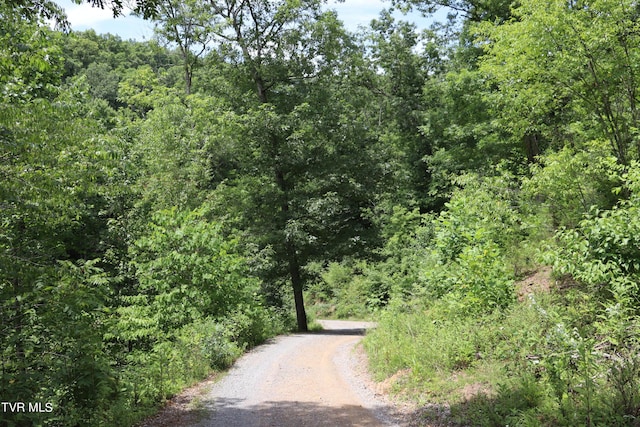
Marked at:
<point>573,181</point>
<point>186,270</point>
<point>604,250</point>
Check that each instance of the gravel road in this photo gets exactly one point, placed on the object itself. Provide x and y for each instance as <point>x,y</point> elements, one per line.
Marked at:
<point>298,380</point>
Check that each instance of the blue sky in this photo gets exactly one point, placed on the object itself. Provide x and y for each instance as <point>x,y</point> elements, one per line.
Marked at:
<point>82,17</point>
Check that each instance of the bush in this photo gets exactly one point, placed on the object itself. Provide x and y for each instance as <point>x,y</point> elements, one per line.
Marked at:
<point>604,250</point>
<point>145,378</point>
<point>462,254</point>
<point>571,182</point>
<point>186,270</point>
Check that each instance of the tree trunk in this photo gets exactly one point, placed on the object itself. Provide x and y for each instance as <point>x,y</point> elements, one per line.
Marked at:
<point>531,147</point>
<point>296,283</point>
<point>187,79</point>
<point>188,69</point>
<point>292,256</point>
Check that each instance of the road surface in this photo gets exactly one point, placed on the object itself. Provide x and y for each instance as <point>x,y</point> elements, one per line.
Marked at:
<point>297,380</point>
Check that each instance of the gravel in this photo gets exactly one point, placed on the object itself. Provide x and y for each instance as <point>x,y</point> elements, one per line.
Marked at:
<point>313,379</point>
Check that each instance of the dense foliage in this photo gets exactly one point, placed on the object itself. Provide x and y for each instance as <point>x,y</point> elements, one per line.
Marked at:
<point>166,205</point>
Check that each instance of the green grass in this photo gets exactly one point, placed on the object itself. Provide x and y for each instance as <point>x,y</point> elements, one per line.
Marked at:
<point>537,363</point>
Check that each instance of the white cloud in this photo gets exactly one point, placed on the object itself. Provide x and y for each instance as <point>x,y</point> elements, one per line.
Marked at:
<point>357,12</point>
<point>85,15</point>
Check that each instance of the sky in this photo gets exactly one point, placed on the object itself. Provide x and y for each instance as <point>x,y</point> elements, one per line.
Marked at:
<point>83,17</point>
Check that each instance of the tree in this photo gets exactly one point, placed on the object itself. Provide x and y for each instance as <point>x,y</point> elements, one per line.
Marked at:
<point>471,10</point>
<point>34,10</point>
<point>30,59</point>
<point>187,24</point>
<point>186,271</point>
<point>574,60</point>
<point>280,46</point>
<point>395,71</point>
<point>173,153</point>
<point>103,82</point>
<point>56,201</point>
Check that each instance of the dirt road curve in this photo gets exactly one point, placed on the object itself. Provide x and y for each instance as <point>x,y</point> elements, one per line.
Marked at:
<point>297,380</point>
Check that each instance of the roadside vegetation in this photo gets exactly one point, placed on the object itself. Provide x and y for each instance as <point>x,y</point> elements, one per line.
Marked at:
<point>473,187</point>
<point>497,338</point>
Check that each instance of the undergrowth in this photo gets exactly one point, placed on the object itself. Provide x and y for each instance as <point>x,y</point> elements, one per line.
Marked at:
<point>454,334</point>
